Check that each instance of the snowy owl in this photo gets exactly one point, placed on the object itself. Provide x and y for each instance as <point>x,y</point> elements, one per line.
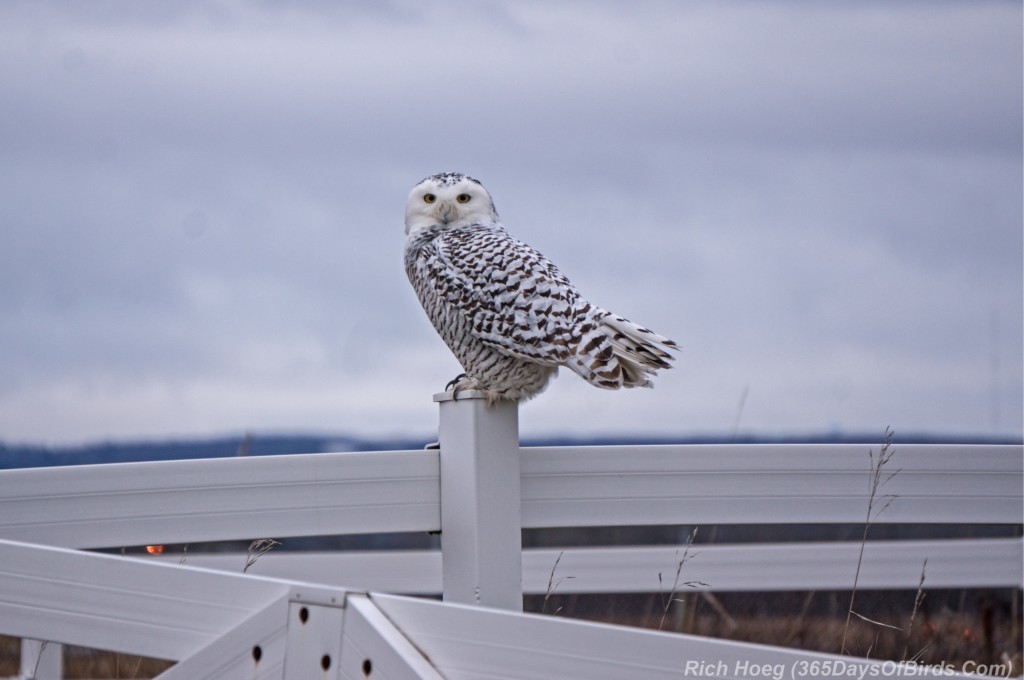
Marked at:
<point>506,312</point>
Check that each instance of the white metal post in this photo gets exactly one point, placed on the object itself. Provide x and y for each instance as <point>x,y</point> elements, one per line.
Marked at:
<point>481,522</point>
<point>41,660</point>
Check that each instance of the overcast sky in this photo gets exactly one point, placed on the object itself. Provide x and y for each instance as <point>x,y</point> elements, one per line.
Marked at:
<point>202,209</point>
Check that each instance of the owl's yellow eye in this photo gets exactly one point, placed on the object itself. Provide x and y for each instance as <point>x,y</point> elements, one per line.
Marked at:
<point>463,198</point>
<point>429,198</point>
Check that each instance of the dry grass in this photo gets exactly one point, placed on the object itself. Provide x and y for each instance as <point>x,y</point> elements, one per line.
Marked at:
<point>672,598</point>
<point>950,626</point>
<point>876,506</point>
<point>85,663</point>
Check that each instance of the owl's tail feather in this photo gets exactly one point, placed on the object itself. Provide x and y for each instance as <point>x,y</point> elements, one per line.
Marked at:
<point>619,353</point>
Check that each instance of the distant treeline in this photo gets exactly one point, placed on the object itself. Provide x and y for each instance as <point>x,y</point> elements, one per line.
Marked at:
<point>22,456</point>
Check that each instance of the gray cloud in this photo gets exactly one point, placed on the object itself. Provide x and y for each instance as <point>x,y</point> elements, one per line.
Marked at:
<point>202,208</point>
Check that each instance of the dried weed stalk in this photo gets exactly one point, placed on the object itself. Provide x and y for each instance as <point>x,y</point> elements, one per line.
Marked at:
<point>257,549</point>
<point>877,504</point>
<point>668,599</point>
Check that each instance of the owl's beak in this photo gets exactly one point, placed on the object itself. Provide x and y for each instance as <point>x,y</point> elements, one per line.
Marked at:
<point>446,212</point>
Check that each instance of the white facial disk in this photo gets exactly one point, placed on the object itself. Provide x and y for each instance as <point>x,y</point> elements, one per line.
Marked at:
<point>450,200</point>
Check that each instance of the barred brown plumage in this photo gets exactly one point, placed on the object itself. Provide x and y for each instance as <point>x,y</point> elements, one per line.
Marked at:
<point>507,313</point>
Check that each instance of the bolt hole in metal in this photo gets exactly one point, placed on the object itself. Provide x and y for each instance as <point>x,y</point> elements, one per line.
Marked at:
<point>325,661</point>
<point>367,667</point>
<point>304,615</point>
<point>257,653</point>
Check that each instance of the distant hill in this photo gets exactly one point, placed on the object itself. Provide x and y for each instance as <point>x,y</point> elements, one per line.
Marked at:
<point>23,456</point>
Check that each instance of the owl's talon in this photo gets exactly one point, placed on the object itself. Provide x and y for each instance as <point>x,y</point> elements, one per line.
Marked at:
<point>454,382</point>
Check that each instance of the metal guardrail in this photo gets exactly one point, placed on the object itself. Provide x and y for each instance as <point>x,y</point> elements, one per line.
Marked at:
<point>480,489</point>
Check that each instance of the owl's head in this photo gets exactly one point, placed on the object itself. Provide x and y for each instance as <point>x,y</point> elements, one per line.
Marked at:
<point>449,199</point>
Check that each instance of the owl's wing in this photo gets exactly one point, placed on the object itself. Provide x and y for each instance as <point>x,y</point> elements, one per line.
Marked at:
<point>515,300</point>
